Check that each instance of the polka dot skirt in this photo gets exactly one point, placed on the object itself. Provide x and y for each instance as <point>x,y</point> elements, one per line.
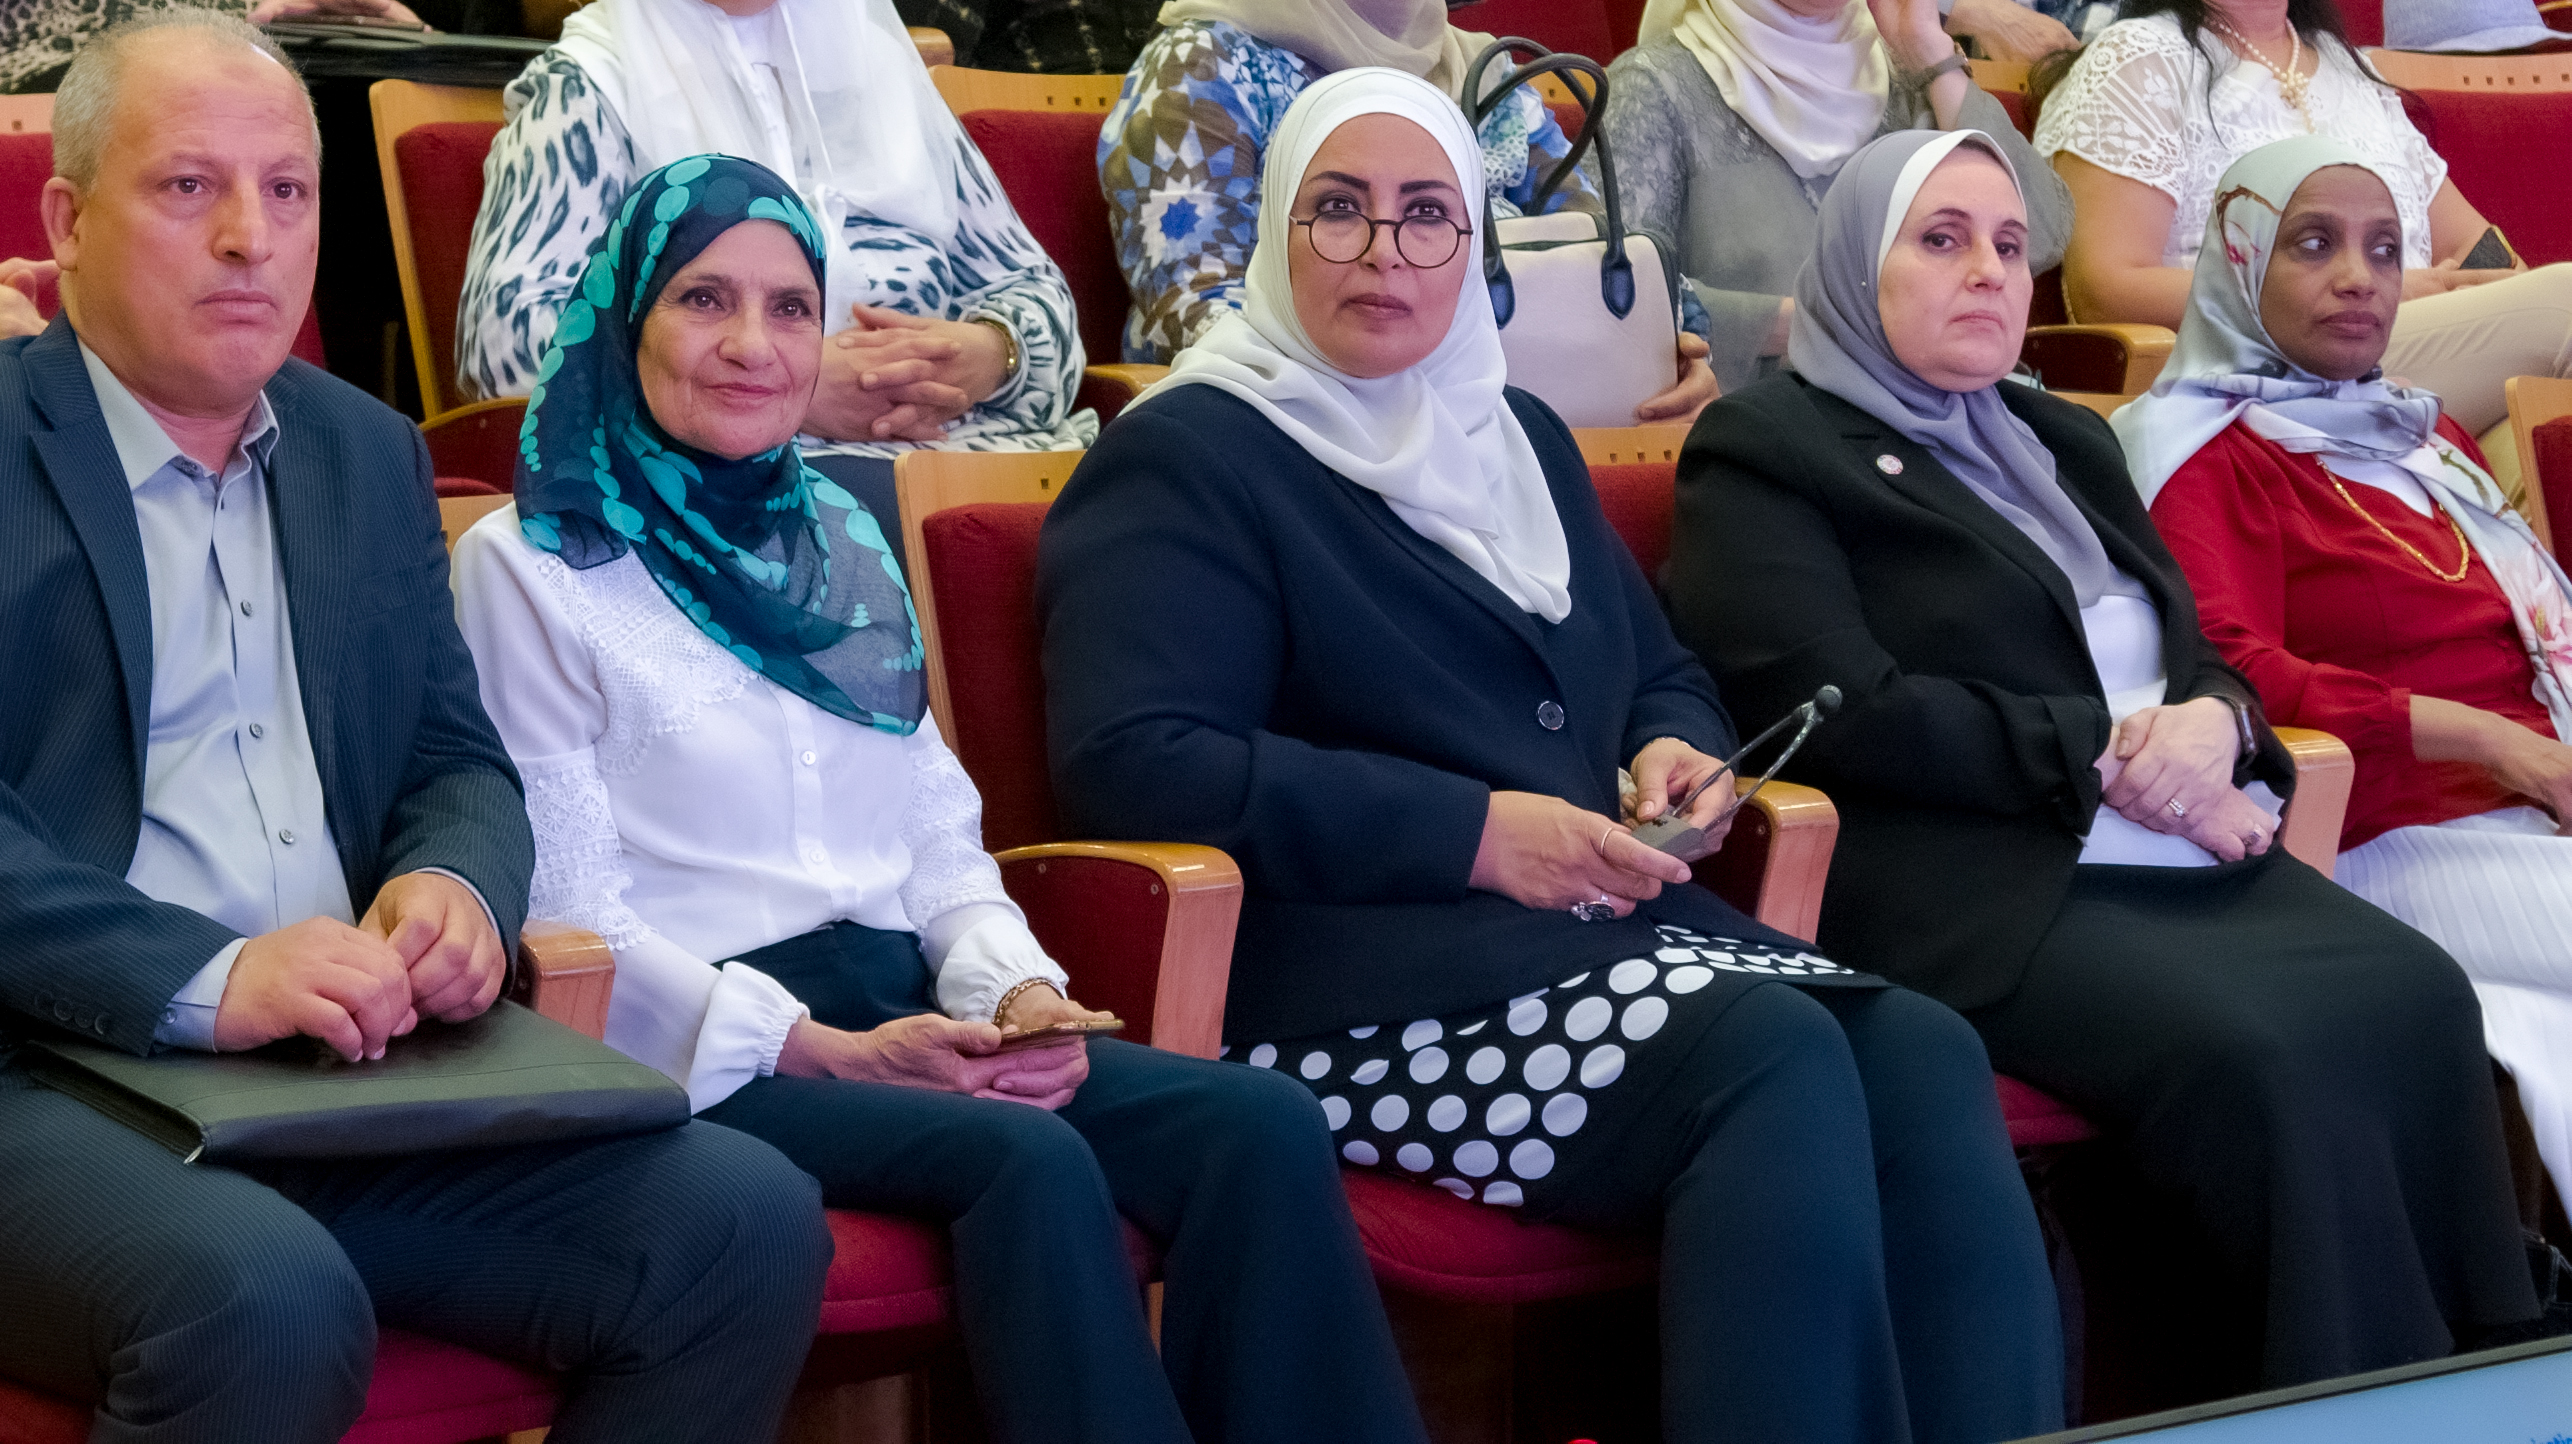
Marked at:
<point>1481,1102</point>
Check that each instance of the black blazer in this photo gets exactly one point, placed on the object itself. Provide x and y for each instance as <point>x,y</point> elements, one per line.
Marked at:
<point>1961,765</point>
<point>1245,649</point>
<point>412,773</point>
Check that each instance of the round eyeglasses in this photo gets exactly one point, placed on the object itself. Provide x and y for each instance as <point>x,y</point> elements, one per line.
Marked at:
<point>1424,241</point>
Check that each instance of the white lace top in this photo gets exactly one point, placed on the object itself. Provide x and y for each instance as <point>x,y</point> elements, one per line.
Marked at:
<point>689,811</point>
<point>2136,103</point>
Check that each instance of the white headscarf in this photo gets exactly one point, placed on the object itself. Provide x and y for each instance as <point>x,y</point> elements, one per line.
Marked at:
<point>1437,441</point>
<point>1337,35</point>
<point>858,102</point>
<point>1814,89</point>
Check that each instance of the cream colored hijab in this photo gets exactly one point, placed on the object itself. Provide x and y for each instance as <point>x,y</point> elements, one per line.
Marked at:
<point>1406,35</point>
<point>881,142</point>
<point>1814,89</point>
<point>1438,442</point>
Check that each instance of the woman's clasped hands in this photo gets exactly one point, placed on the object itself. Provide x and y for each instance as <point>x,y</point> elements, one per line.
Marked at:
<point>898,377</point>
<point>947,1055</point>
<point>1543,852</point>
<point>2171,769</point>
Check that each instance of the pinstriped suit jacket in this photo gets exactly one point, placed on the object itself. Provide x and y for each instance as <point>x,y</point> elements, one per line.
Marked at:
<point>412,773</point>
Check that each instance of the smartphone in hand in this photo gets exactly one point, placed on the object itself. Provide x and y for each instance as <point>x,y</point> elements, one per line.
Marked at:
<point>2491,253</point>
<point>1060,1033</point>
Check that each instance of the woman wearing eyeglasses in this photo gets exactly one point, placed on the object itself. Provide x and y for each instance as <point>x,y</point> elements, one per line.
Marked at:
<point>1335,600</point>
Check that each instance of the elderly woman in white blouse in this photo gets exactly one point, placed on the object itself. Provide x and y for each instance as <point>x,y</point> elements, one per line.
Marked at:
<point>703,658</point>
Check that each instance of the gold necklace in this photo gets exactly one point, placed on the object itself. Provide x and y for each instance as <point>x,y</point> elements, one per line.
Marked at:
<point>2292,81</point>
<point>2464,549</point>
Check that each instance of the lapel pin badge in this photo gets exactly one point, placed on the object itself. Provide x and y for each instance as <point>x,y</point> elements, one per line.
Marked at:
<point>1889,464</point>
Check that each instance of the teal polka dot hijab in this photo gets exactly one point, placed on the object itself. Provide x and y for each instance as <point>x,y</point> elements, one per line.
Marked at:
<point>773,561</point>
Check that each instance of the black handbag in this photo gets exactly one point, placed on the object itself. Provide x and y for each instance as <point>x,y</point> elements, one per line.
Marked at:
<point>510,1076</point>
<point>1588,309</point>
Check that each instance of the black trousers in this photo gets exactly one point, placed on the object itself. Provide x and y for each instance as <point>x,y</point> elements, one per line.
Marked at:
<point>2304,1078</point>
<point>676,1276</point>
<point>1271,1327</point>
<point>1847,1252</point>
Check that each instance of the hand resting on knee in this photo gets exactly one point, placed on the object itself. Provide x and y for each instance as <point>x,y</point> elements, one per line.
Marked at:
<point>948,1056</point>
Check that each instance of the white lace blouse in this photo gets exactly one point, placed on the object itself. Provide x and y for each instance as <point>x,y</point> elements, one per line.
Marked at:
<point>689,811</point>
<point>2137,103</point>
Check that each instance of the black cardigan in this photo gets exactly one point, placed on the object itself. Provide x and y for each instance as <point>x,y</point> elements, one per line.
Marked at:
<point>1961,765</point>
<point>1245,649</point>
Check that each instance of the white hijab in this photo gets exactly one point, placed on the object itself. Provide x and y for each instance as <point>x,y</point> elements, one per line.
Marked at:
<point>1337,35</point>
<point>857,100</point>
<point>1438,441</point>
<point>1814,89</point>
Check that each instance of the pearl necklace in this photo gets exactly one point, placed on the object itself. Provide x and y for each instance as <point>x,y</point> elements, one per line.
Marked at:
<point>2292,81</point>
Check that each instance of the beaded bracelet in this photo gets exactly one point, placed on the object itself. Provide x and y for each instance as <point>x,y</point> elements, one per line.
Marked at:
<point>1011,996</point>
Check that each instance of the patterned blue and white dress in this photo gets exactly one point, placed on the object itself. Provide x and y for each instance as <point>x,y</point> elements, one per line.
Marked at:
<point>1179,159</point>
<point>562,164</point>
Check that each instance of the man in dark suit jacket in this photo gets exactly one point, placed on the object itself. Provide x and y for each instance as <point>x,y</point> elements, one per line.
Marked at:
<point>247,791</point>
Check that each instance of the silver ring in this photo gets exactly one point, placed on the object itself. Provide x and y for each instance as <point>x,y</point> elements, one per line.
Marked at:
<point>2176,810</point>
<point>1594,912</point>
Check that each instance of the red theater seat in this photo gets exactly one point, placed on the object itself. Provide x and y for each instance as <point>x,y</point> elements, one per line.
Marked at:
<point>1582,27</point>
<point>1047,160</point>
<point>1040,135</point>
<point>2551,470</point>
<point>439,166</point>
<point>2485,138</point>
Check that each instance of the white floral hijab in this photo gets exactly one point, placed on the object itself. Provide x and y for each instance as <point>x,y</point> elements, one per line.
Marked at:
<point>2225,368</point>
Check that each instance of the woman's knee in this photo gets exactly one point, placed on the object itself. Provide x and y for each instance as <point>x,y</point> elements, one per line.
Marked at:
<point>1917,1043</point>
<point>1777,1054</point>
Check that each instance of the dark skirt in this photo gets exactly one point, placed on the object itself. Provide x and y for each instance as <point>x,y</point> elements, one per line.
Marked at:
<point>2305,1078</point>
<point>1507,1102</point>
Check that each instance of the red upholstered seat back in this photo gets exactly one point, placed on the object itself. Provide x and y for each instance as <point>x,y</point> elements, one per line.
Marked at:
<point>1579,26</point>
<point>1047,160</point>
<point>2552,471</point>
<point>982,567</point>
<point>1638,497</point>
<point>441,167</point>
<point>26,163</point>
<point>2022,112</point>
<point>2365,20</point>
<point>2488,140</point>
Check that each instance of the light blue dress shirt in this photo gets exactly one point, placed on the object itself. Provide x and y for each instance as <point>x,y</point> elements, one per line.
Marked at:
<point>234,822</point>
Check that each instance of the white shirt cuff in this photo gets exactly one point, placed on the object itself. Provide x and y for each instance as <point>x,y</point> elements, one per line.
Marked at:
<point>745,1028</point>
<point>188,1022</point>
<point>991,953</point>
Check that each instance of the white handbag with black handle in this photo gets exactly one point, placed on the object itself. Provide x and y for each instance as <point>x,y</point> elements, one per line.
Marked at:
<point>1588,310</point>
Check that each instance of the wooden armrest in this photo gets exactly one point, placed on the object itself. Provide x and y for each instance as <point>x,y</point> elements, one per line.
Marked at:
<point>1110,388</point>
<point>566,973</point>
<point>935,46</point>
<point>2324,770</point>
<point>515,406</point>
<point>1773,864</point>
<point>1144,928</point>
<point>2116,357</point>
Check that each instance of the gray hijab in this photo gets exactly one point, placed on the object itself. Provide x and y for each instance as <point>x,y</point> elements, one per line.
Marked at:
<point>1838,343</point>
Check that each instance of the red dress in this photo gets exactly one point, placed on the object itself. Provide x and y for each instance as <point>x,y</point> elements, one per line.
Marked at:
<point>2337,626</point>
